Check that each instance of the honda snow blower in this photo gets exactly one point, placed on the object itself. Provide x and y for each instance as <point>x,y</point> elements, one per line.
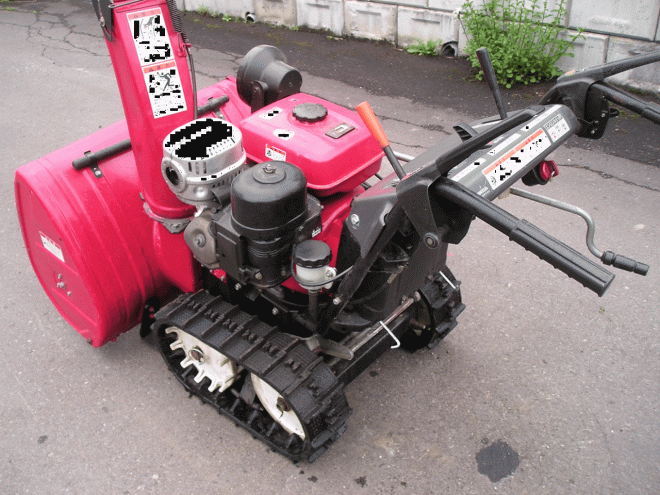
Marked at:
<point>247,227</point>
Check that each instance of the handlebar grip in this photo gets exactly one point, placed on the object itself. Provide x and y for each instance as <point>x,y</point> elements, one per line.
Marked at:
<point>562,257</point>
<point>533,239</point>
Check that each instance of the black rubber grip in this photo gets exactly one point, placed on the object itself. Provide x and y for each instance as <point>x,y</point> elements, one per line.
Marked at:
<point>623,263</point>
<point>562,257</point>
<point>558,254</point>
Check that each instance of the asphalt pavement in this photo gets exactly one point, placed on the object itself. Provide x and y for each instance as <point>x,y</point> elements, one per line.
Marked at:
<point>542,388</point>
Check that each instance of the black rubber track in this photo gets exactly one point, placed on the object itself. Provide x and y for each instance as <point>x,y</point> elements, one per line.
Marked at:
<point>305,382</point>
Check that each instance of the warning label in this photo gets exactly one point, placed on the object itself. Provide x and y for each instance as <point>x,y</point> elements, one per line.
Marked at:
<point>51,246</point>
<point>154,51</point>
<point>150,35</point>
<point>275,153</point>
<point>516,159</point>
<point>165,92</point>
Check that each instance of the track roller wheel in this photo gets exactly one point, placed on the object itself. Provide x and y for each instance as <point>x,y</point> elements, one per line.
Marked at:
<point>211,364</point>
<point>278,408</point>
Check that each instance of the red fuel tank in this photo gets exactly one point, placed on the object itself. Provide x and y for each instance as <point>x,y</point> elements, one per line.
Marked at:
<point>329,143</point>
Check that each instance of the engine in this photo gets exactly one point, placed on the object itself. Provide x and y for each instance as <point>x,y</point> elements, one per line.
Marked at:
<point>250,178</point>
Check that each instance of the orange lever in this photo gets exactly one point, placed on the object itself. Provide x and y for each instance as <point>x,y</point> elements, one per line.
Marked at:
<point>371,121</point>
<point>369,118</point>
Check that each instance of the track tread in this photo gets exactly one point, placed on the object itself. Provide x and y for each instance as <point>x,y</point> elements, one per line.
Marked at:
<point>299,375</point>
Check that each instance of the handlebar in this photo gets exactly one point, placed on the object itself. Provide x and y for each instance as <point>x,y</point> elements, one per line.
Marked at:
<point>533,239</point>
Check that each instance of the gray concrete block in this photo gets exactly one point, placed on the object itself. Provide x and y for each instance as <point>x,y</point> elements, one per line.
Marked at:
<point>446,5</point>
<point>195,5</point>
<point>645,78</point>
<point>236,8</point>
<point>588,52</point>
<point>425,25</point>
<point>462,41</point>
<point>620,17</point>
<point>371,20</point>
<point>322,14</point>
<point>411,3</point>
<point>276,11</point>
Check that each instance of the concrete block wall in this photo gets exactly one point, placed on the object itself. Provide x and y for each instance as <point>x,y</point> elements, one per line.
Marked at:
<point>614,29</point>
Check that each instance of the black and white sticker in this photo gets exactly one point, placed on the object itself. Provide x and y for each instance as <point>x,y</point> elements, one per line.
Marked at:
<point>52,247</point>
<point>154,52</point>
<point>557,127</point>
<point>271,114</point>
<point>275,153</point>
<point>164,87</point>
<point>516,159</point>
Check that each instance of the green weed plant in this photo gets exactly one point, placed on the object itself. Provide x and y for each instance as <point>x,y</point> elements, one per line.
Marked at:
<point>427,48</point>
<point>524,38</point>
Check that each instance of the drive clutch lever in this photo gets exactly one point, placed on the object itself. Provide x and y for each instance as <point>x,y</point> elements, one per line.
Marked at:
<point>533,239</point>
<point>607,257</point>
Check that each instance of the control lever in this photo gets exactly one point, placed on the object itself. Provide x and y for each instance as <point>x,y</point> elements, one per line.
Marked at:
<point>491,79</point>
<point>607,257</point>
<point>371,121</point>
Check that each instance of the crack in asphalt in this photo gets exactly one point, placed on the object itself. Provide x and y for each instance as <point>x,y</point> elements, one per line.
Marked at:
<point>38,33</point>
<point>607,176</point>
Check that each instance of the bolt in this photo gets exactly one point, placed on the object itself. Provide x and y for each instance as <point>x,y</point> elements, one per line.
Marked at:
<point>603,115</point>
<point>61,285</point>
<point>68,293</point>
<point>268,168</point>
<point>275,311</point>
<point>336,301</point>
<point>355,221</point>
<point>196,354</point>
<point>200,240</point>
<point>238,286</point>
<point>431,240</point>
<point>593,131</point>
<point>282,406</point>
<point>258,276</point>
<point>283,272</point>
<point>59,276</point>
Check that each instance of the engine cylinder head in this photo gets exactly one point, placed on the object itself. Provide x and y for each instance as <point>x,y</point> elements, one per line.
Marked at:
<point>201,158</point>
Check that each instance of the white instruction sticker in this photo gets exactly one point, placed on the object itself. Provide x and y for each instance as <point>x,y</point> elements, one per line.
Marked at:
<point>52,247</point>
<point>164,86</point>
<point>150,36</point>
<point>557,127</point>
<point>516,159</point>
<point>154,52</point>
<point>275,153</point>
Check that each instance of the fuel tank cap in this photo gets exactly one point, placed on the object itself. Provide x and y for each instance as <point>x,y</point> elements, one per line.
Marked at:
<point>310,112</point>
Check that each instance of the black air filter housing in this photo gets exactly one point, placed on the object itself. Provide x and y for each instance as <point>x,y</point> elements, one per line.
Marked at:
<point>268,205</point>
<point>269,201</point>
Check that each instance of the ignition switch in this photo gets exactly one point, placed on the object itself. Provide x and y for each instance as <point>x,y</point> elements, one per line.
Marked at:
<point>541,174</point>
